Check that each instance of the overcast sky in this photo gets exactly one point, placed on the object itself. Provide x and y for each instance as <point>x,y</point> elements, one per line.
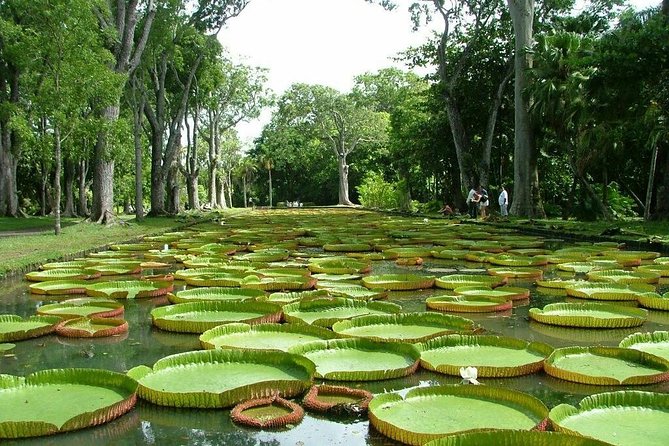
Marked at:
<point>326,42</point>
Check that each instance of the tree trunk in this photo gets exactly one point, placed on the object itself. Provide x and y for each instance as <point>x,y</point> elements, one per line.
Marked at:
<point>138,113</point>
<point>69,188</point>
<point>244,189</point>
<point>343,181</point>
<point>191,187</point>
<point>651,179</point>
<point>230,188</point>
<point>173,201</point>
<point>522,15</point>
<point>43,189</point>
<point>83,202</point>
<point>56,179</point>
<point>269,171</point>
<point>9,147</point>
<point>127,207</point>
<point>103,171</point>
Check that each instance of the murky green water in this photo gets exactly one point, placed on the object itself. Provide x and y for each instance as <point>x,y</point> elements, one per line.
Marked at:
<point>149,424</point>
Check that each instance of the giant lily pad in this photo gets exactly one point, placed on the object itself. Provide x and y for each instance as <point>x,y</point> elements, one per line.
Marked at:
<point>624,276</point>
<point>339,266</point>
<point>606,366</point>
<point>76,308</point>
<point>586,267</point>
<point>402,327</point>
<point>96,327</point>
<point>493,356</point>
<point>68,264</point>
<point>59,287</point>
<point>220,279</point>
<point>655,343</point>
<point>352,291</point>
<point>267,413</point>
<point>608,291</point>
<point>52,401</point>
<point>216,294</point>
<point>589,315</point>
<point>516,260</point>
<point>198,317</point>
<point>654,301</point>
<point>15,328</point>
<point>429,413</point>
<point>129,289</point>
<point>359,359</point>
<point>398,282</point>
<point>517,273</point>
<point>453,281</point>
<point>561,283</point>
<point>63,274</point>
<point>508,437</point>
<point>468,303</point>
<point>222,378</point>
<point>327,311</point>
<point>263,336</point>
<point>622,418</point>
<point>506,292</point>
<point>278,283</point>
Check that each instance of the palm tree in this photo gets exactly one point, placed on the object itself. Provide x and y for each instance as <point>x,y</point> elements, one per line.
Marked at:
<point>246,170</point>
<point>268,163</point>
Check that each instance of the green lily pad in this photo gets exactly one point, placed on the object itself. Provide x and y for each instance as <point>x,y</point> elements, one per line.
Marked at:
<point>96,327</point>
<point>608,291</point>
<point>453,281</point>
<point>468,303</point>
<point>429,413</point>
<point>16,328</point>
<point>654,301</point>
<point>52,401</point>
<point>402,327</point>
<point>624,276</point>
<point>263,336</point>
<point>76,308</point>
<point>129,289</point>
<point>215,294</point>
<point>516,438</point>
<point>278,283</point>
<point>493,356</point>
<point>655,343</point>
<point>589,315</point>
<point>359,359</point>
<point>397,282</point>
<point>506,292</point>
<point>352,291</point>
<point>222,378</point>
<point>63,274</point>
<point>327,311</point>
<point>198,317</point>
<point>606,366</point>
<point>6,346</point>
<point>622,418</point>
<point>59,287</point>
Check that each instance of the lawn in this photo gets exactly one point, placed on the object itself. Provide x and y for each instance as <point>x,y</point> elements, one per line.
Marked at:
<point>40,245</point>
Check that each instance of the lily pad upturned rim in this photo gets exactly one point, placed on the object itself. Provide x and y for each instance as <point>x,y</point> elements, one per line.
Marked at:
<point>116,327</point>
<point>49,326</point>
<point>626,276</point>
<point>124,385</point>
<point>645,338</point>
<point>122,289</point>
<point>399,282</point>
<point>628,355</point>
<point>406,350</point>
<point>323,304</point>
<point>629,317</point>
<point>312,402</point>
<point>500,395</point>
<point>606,400</point>
<point>654,301</point>
<point>452,281</point>
<point>608,290</point>
<point>509,437</point>
<point>267,313</point>
<point>208,294</point>
<point>62,274</point>
<point>112,308</point>
<point>293,417</point>
<point>207,338</point>
<point>459,304</point>
<point>207,399</point>
<point>505,291</point>
<point>539,348</point>
<point>444,323</point>
<point>59,287</point>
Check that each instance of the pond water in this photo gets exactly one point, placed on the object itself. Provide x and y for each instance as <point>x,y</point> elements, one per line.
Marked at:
<point>143,344</point>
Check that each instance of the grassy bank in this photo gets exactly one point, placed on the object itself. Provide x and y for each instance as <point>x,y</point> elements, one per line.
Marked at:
<point>37,244</point>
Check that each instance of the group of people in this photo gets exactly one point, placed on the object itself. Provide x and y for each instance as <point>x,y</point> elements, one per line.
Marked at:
<point>478,202</point>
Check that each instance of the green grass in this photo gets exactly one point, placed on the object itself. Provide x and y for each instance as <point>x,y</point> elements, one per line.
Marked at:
<point>22,252</point>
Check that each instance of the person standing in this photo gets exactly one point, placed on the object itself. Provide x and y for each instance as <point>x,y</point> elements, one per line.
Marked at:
<point>504,202</point>
<point>472,202</point>
<point>483,201</point>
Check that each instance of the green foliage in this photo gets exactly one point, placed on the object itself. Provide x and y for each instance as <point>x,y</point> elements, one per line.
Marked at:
<point>375,192</point>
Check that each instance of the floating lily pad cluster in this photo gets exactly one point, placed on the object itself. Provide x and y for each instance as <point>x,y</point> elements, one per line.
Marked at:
<point>287,305</point>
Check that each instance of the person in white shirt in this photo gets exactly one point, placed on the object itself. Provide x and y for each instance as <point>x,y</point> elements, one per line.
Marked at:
<point>504,202</point>
<point>472,202</point>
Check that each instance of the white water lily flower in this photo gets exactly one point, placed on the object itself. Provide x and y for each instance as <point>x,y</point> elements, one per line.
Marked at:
<point>425,220</point>
<point>469,375</point>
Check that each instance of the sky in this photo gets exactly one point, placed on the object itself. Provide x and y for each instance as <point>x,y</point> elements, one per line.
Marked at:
<point>326,42</point>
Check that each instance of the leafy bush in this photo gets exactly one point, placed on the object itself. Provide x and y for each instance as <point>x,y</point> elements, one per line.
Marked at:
<point>375,192</point>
